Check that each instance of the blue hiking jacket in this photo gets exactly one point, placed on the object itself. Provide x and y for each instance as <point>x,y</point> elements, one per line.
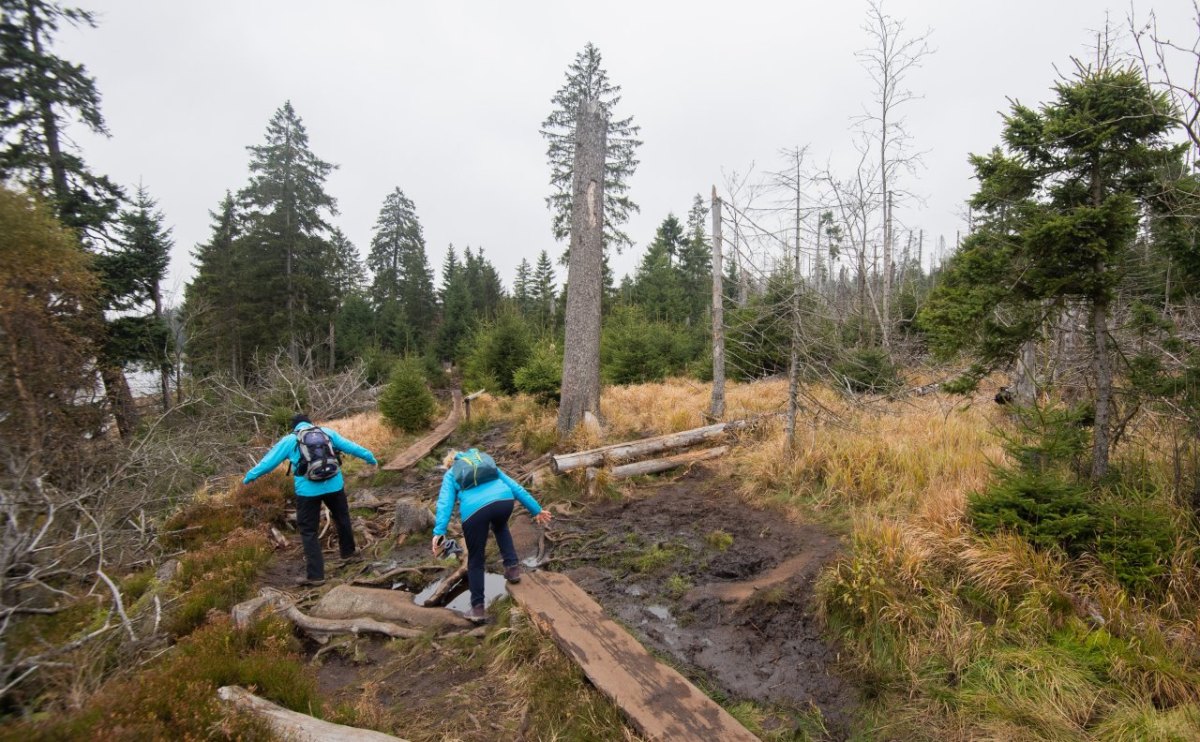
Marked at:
<point>472,499</point>
<point>288,448</point>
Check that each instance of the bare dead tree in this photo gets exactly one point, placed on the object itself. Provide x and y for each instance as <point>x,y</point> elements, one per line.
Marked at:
<point>1174,68</point>
<point>891,56</point>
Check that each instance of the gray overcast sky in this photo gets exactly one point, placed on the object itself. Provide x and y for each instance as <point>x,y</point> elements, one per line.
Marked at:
<point>444,99</point>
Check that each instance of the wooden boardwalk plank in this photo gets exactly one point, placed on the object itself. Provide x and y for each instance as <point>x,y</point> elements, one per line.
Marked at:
<point>660,702</point>
<point>425,446</point>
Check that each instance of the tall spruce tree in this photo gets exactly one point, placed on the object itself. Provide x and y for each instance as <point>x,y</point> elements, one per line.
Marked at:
<point>521,288</point>
<point>657,287</point>
<point>40,94</point>
<point>346,279</point>
<point>132,274</point>
<point>213,311</point>
<point>458,314</point>
<point>285,206</point>
<point>695,264</point>
<point>1059,208</point>
<point>543,292</point>
<point>483,281</point>
<point>402,289</point>
<point>586,79</point>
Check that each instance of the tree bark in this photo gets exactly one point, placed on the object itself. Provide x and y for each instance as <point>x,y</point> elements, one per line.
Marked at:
<point>1104,382</point>
<point>581,351</point>
<point>120,399</point>
<point>717,408</point>
<point>654,466</point>
<point>1025,383</point>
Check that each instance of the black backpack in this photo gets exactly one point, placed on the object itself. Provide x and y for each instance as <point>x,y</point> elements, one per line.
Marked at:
<point>473,468</point>
<point>319,460</point>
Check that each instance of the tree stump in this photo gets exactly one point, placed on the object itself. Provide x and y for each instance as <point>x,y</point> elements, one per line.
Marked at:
<point>411,517</point>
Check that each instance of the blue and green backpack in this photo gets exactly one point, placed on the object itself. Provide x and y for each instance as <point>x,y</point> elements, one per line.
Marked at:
<point>473,468</point>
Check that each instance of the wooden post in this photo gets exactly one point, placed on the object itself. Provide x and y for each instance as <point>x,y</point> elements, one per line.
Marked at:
<point>718,313</point>
<point>581,351</point>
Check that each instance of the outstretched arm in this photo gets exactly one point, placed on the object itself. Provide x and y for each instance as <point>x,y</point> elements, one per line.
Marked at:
<point>445,505</point>
<point>523,496</point>
<point>350,447</point>
<point>274,458</point>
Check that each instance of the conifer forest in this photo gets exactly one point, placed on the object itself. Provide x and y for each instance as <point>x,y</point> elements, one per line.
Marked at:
<point>842,364</point>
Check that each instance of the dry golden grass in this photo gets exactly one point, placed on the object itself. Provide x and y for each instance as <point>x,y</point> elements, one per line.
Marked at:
<point>965,636</point>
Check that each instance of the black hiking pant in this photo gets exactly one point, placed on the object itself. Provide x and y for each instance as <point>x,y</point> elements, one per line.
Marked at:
<point>308,520</point>
<point>492,516</point>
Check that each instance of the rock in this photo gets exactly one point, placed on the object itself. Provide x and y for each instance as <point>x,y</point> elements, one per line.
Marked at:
<point>346,601</point>
<point>366,499</point>
<point>167,571</point>
<point>411,517</point>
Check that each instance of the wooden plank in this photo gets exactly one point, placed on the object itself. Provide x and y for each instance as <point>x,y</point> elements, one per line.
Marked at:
<point>660,702</point>
<point>422,448</point>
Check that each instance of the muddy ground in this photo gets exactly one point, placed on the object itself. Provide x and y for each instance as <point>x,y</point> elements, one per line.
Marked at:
<point>720,590</point>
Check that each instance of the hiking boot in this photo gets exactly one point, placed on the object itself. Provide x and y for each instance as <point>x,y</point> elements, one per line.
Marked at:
<point>310,582</point>
<point>513,573</point>
<point>354,558</point>
<point>477,614</point>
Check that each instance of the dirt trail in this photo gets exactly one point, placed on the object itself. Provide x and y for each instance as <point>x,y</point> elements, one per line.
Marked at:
<point>721,590</point>
<point>738,613</point>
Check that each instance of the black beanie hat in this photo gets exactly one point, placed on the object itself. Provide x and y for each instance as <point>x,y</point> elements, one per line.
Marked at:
<point>301,418</point>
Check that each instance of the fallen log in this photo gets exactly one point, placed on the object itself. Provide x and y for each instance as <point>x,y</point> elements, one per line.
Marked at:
<point>293,725</point>
<point>620,452</point>
<point>654,466</point>
<point>345,602</point>
<point>425,446</point>
<point>323,628</point>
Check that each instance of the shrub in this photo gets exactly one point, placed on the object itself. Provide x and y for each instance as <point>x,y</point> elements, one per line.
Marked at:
<point>176,698</point>
<point>1136,540</point>
<point>867,370</point>
<point>216,577</point>
<point>541,377</point>
<point>1042,508</point>
<point>497,351</point>
<point>407,403</point>
<point>634,350</point>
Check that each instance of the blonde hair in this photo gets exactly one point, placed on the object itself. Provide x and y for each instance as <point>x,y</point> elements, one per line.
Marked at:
<point>448,460</point>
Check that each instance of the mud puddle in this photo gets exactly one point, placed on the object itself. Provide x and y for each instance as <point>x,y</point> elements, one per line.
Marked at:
<point>724,590</point>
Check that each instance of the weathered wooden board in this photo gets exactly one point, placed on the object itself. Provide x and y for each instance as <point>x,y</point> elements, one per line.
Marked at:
<point>660,702</point>
<point>422,448</point>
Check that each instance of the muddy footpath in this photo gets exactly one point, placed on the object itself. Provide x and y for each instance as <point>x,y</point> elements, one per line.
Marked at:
<point>721,591</point>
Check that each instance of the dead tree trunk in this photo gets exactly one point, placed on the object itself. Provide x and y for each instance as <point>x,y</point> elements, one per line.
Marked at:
<point>1025,383</point>
<point>794,360</point>
<point>1104,383</point>
<point>718,312</point>
<point>120,399</point>
<point>581,351</point>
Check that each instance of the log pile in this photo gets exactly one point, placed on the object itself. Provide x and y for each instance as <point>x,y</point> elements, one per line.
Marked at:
<point>632,458</point>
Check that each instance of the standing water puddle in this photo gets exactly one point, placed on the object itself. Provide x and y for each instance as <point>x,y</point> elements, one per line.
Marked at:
<point>493,587</point>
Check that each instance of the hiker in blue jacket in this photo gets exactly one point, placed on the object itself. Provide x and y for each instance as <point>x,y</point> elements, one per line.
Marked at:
<point>485,502</point>
<point>317,478</point>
